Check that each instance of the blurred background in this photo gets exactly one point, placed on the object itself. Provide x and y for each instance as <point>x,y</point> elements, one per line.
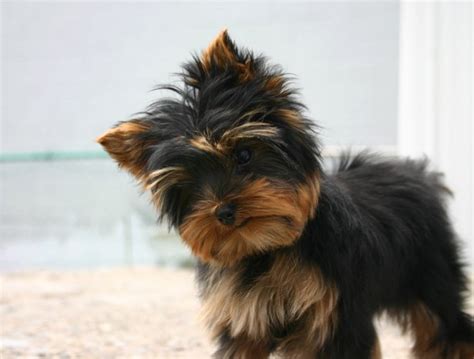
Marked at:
<point>394,77</point>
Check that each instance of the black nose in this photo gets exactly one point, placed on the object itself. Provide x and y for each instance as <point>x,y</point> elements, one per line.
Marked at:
<point>225,213</point>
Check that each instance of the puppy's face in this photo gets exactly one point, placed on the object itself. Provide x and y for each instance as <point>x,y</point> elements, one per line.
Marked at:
<point>230,160</point>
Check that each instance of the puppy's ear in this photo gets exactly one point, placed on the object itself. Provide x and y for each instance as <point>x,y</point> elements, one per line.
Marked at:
<point>128,144</point>
<point>222,54</point>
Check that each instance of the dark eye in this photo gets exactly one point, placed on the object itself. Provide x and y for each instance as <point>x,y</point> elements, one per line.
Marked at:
<point>243,156</point>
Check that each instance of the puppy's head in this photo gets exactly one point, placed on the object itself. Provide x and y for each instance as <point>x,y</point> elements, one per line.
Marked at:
<point>230,159</point>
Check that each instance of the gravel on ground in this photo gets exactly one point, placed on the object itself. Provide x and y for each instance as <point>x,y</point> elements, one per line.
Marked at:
<point>115,313</point>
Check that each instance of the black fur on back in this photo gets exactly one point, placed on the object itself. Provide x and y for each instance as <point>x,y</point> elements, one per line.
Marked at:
<point>382,233</point>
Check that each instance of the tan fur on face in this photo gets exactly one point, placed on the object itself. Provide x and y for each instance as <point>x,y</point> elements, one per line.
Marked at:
<point>159,181</point>
<point>230,137</point>
<point>269,215</point>
<point>123,145</point>
<point>308,195</point>
<point>202,143</point>
<point>289,292</point>
<point>249,130</point>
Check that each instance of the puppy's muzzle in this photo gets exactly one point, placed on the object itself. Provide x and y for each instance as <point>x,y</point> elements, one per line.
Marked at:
<point>225,213</point>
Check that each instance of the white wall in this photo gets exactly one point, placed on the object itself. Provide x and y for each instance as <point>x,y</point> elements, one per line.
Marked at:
<point>73,69</point>
<point>436,94</point>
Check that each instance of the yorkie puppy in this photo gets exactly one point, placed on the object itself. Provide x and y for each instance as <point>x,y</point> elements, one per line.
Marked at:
<point>292,260</point>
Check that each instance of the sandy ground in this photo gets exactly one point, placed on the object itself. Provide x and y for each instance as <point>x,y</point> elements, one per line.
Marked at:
<point>116,313</point>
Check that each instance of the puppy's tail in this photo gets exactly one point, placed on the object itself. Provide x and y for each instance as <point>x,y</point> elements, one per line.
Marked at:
<point>415,168</point>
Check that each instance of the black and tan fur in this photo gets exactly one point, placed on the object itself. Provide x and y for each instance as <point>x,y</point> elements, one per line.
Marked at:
<point>293,260</point>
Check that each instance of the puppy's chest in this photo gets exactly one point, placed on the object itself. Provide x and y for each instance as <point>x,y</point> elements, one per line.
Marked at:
<point>285,295</point>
